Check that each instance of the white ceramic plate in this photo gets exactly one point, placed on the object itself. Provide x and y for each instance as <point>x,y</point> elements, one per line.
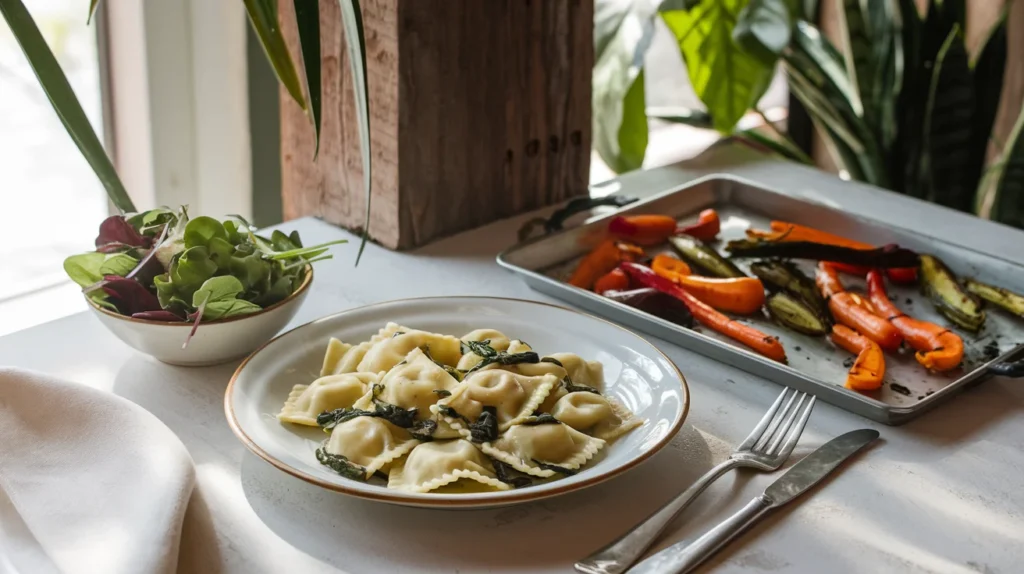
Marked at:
<point>636,373</point>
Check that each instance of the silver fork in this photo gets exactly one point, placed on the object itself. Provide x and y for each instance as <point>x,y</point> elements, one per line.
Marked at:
<point>765,449</point>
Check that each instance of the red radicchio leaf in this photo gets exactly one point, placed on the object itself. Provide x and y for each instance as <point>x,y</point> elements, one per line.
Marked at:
<point>129,296</point>
<point>116,229</point>
<point>161,315</point>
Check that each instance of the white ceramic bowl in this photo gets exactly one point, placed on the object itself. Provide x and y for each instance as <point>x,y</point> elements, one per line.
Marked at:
<point>215,342</point>
<point>636,373</point>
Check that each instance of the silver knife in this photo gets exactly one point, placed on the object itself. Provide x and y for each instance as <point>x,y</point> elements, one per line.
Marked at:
<point>684,556</point>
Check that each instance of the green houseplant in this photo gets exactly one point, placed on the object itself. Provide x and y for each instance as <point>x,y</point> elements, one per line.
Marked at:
<point>899,103</point>
<point>162,264</point>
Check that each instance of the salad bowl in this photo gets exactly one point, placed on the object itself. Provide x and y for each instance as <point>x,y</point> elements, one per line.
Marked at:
<point>214,342</point>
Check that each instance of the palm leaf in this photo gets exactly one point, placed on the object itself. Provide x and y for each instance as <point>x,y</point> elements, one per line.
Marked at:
<point>1006,179</point>
<point>726,78</point>
<point>62,97</point>
<point>263,17</point>
<point>623,31</point>
<point>948,128</point>
<point>679,115</point>
<point>352,23</point>
<point>307,17</point>
<point>782,147</point>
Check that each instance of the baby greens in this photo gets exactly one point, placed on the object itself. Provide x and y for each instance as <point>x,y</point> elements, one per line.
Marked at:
<point>161,265</point>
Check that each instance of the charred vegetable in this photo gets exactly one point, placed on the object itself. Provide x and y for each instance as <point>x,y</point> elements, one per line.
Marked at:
<point>957,305</point>
<point>656,303</point>
<point>784,276</point>
<point>707,227</point>
<point>743,295</point>
<point>794,313</point>
<point>853,311</point>
<point>937,347</point>
<point>868,370</point>
<point>1002,298</point>
<point>605,257</point>
<point>643,229</point>
<point>749,336</point>
<point>883,257</point>
<point>703,257</point>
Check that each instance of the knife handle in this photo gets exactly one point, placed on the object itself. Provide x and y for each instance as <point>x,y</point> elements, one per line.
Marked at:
<point>683,557</point>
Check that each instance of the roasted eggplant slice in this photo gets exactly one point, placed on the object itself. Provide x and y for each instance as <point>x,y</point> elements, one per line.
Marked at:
<point>883,257</point>
<point>1002,298</point>
<point>797,315</point>
<point>784,276</point>
<point>656,303</point>
<point>704,258</point>
<point>957,305</point>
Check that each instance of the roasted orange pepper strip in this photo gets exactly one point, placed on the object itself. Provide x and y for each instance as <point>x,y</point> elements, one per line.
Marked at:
<point>602,259</point>
<point>869,368</point>
<point>850,310</point>
<point>786,231</point>
<point>615,279</point>
<point>742,295</point>
<point>745,334</point>
<point>937,348</point>
<point>643,229</point>
<point>707,227</point>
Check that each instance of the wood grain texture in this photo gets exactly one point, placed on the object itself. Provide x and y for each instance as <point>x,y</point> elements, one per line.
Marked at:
<point>479,111</point>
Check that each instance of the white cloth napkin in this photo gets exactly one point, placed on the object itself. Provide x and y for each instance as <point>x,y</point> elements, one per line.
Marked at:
<point>89,482</point>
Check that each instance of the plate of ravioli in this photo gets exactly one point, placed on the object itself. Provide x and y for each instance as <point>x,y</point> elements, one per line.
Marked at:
<point>457,402</point>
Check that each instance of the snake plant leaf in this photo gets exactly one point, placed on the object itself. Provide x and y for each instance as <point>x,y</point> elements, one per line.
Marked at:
<point>781,147</point>
<point>763,29</point>
<point>988,68</point>
<point>623,30</point>
<point>681,115</point>
<point>352,24</point>
<point>949,128</point>
<point>1007,178</point>
<point>307,17</point>
<point>857,52</point>
<point>264,20</point>
<point>65,103</point>
<point>725,77</point>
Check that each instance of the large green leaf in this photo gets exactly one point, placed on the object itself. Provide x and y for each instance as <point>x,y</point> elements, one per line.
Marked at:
<point>726,78</point>
<point>352,23</point>
<point>307,16</point>
<point>763,29</point>
<point>62,97</point>
<point>1006,179</point>
<point>948,125</point>
<point>264,20</point>
<point>623,30</point>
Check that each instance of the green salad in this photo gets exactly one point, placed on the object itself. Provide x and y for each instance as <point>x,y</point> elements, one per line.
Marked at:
<point>160,265</point>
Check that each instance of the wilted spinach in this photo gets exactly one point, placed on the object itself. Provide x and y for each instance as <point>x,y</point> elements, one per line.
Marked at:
<point>485,429</point>
<point>542,419</point>
<point>505,474</point>
<point>423,430</point>
<point>546,466</point>
<point>570,387</point>
<point>341,465</point>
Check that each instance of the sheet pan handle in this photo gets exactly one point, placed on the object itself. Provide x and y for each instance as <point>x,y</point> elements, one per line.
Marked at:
<point>580,204</point>
<point>1011,369</point>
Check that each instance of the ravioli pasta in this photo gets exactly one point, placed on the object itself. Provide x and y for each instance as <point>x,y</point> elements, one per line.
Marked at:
<point>427,412</point>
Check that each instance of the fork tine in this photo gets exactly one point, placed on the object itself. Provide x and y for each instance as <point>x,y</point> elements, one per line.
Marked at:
<point>773,428</point>
<point>784,428</point>
<point>755,434</point>
<point>798,429</point>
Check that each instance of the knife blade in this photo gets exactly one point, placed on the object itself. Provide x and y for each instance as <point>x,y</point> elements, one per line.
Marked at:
<point>685,556</point>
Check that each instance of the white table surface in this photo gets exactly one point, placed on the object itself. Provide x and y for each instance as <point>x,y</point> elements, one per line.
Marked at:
<point>944,493</point>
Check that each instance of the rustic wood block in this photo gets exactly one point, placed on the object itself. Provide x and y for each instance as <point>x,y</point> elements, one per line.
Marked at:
<point>480,109</point>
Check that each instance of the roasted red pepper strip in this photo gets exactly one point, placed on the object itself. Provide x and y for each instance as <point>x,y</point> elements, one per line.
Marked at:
<point>850,310</point>
<point>868,370</point>
<point>707,227</point>
<point>614,280</point>
<point>602,259</point>
<point>643,229</point>
<point>937,348</point>
<point>749,336</point>
<point>786,231</point>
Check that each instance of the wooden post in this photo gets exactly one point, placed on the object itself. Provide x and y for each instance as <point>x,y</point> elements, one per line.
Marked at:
<point>480,109</point>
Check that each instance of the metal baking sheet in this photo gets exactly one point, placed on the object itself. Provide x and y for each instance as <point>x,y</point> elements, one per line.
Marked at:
<point>815,364</point>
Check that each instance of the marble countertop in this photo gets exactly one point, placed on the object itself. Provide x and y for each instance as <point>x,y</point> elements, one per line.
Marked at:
<point>940,494</point>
